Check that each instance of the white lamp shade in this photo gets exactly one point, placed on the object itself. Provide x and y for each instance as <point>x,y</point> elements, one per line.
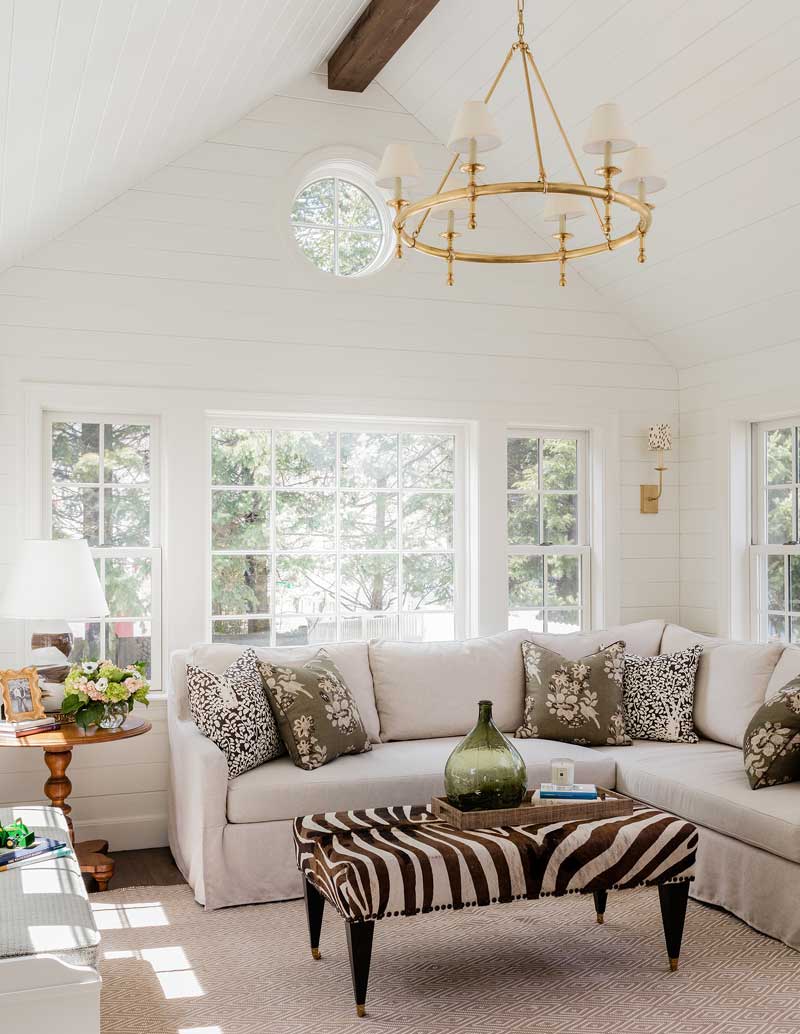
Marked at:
<point>53,578</point>
<point>473,122</point>
<point>641,168</point>
<point>398,162</point>
<point>568,205</point>
<point>608,127</point>
<point>659,438</point>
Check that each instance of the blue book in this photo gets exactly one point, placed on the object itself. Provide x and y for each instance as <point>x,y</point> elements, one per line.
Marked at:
<point>575,792</point>
<point>41,846</point>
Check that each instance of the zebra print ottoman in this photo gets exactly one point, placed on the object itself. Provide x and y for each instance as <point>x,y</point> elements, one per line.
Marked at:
<point>402,861</point>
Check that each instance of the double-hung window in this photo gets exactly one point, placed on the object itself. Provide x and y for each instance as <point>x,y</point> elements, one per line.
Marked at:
<point>332,532</point>
<point>775,553</point>
<point>548,546</point>
<point>101,484</point>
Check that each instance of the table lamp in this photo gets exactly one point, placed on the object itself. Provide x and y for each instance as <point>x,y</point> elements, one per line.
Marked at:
<point>53,581</point>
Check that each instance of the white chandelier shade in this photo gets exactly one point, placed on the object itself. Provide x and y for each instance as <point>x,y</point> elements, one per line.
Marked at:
<point>473,122</point>
<point>608,129</point>
<point>567,205</point>
<point>398,162</point>
<point>640,169</point>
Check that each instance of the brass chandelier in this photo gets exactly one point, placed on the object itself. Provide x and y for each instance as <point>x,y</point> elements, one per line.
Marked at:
<point>474,131</point>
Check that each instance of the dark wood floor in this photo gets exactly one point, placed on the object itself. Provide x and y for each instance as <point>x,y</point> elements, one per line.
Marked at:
<point>149,867</point>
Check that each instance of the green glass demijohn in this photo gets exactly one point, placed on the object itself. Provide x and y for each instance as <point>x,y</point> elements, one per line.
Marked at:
<point>485,770</point>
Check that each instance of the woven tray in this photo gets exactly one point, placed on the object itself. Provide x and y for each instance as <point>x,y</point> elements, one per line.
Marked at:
<point>533,810</point>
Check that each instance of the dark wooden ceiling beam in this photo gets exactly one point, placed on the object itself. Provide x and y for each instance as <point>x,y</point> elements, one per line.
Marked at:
<point>375,38</point>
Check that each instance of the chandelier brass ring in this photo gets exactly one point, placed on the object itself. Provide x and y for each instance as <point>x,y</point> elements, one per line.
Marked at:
<point>641,208</point>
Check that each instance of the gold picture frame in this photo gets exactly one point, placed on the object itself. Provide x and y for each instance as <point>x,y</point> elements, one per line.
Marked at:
<point>20,689</point>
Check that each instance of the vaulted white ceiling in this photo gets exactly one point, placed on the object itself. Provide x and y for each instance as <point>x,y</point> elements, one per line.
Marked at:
<point>712,85</point>
<point>95,95</point>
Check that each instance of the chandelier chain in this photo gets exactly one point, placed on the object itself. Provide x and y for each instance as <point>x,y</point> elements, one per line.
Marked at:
<point>521,20</point>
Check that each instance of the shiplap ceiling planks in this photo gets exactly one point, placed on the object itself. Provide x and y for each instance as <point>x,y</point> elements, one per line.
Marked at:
<point>713,86</point>
<point>97,94</point>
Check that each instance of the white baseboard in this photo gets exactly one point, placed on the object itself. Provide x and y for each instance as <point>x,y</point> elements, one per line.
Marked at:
<point>126,832</point>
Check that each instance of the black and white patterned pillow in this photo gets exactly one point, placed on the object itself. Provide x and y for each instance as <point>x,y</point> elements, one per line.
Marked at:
<point>659,696</point>
<point>232,711</point>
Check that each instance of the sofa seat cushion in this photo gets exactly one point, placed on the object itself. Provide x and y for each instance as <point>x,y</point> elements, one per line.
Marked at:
<point>706,783</point>
<point>428,690</point>
<point>392,773</point>
<point>351,659</point>
<point>731,681</point>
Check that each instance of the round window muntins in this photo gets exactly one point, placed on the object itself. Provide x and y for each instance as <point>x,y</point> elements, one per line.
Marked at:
<point>338,226</point>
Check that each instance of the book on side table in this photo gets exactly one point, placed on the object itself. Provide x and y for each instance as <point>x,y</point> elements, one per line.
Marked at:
<point>42,847</point>
<point>572,792</point>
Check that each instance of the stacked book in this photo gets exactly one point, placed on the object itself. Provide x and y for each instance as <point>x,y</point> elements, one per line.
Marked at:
<point>572,792</point>
<point>28,727</point>
<point>42,847</point>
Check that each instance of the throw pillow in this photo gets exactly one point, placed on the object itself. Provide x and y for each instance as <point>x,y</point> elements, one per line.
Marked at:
<point>659,696</point>
<point>232,711</point>
<point>574,701</point>
<point>316,712</point>
<point>772,740</point>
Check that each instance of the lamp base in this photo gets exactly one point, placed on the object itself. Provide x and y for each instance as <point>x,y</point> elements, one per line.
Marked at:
<point>648,498</point>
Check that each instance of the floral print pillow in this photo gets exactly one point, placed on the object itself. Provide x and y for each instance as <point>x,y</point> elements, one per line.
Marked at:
<point>772,741</point>
<point>316,711</point>
<point>574,701</point>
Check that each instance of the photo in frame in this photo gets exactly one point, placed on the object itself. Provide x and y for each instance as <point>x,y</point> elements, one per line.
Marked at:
<point>21,694</point>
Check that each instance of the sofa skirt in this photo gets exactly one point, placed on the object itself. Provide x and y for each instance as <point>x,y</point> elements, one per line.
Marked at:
<point>756,886</point>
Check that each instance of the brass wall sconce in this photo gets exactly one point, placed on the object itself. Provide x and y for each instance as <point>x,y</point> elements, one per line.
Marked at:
<point>659,440</point>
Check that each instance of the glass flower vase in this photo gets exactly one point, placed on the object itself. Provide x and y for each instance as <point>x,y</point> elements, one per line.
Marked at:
<point>485,770</point>
<point>113,716</point>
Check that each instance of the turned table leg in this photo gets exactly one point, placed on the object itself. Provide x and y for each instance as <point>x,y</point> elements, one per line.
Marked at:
<point>58,787</point>
<point>91,854</point>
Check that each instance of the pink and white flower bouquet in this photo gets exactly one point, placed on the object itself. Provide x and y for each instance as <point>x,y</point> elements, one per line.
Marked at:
<point>100,693</point>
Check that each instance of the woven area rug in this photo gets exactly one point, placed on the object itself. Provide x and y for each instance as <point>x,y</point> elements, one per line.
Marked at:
<point>171,968</point>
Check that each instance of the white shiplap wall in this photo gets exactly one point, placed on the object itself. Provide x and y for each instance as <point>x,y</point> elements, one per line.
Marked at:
<point>189,289</point>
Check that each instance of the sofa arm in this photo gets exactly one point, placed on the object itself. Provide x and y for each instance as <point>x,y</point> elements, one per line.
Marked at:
<point>197,798</point>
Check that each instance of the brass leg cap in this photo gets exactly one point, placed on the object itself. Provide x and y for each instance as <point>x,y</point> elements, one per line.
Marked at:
<point>600,918</point>
<point>315,953</point>
<point>361,1011</point>
<point>673,964</point>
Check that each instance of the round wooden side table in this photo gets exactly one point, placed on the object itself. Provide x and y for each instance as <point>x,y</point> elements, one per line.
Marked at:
<point>57,746</point>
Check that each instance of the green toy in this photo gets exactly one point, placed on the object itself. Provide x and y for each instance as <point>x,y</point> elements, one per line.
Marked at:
<point>16,835</point>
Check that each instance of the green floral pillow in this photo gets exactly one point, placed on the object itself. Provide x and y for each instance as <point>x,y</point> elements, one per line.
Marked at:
<point>316,712</point>
<point>772,740</point>
<point>574,701</point>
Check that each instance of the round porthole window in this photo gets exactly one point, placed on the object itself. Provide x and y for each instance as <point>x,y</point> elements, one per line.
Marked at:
<point>339,226</point>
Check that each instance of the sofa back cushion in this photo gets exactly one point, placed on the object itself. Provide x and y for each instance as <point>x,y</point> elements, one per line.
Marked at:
<point>424,690</point>
<point>641,637</point>
<point>731,682</point>
<point>787,668</point>
<point>351,659</point>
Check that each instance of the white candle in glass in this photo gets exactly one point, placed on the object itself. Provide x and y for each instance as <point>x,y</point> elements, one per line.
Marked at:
<point>562,771</point>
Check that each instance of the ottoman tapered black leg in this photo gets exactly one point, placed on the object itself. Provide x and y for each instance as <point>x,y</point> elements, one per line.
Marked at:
<point>673,898</point>
<point>359,945</point>
<point>600,898</point>
<point>315,906</point>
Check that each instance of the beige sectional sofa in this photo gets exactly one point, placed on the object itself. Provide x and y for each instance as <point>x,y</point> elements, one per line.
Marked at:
<point>232,838</point>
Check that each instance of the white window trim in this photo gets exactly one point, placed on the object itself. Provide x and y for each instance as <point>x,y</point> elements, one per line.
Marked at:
<point>283,422</point>
<point>583,549</point>
<point>152,552</point>
<point>760,549</point>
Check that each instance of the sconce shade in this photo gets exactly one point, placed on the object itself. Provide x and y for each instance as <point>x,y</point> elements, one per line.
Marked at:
<point>640,167</point>
<point>659,438</point>
<point>608,127</point>
<point>398,162</point>
<point>53,578</point>
<point>473,122</point>
<point>556,205</point>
